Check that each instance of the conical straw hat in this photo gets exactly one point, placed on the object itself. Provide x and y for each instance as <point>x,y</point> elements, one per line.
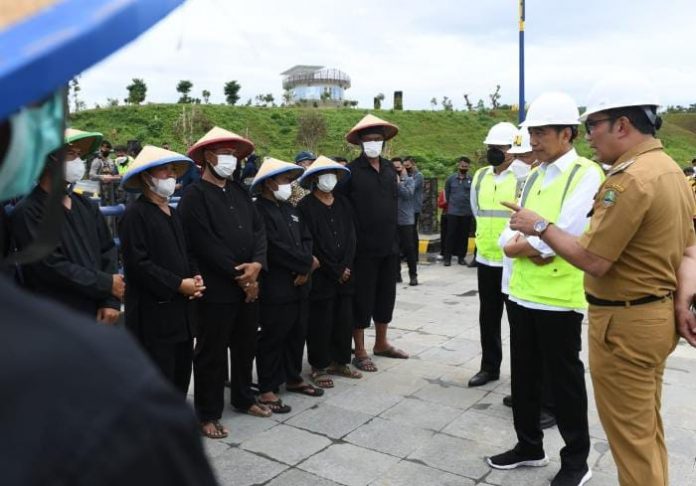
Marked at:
<point>322,164</point>
<point>148,158</point>
<point>272,167</point>
<point>218,135</point>
<point>86,142</point>
<point>370,121</point>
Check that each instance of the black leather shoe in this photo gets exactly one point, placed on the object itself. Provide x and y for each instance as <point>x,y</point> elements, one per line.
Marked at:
<point>462,261</point>
<point>481,378</point>
<point>413,281</point>
<point>546,419</point>
<point>507,401</point>
<point>448,262</point>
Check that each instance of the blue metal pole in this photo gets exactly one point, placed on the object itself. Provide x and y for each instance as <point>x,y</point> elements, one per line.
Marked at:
<point>521,95</point>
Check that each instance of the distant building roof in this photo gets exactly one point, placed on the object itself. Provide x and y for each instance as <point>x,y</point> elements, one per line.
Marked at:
<point>301,69</point>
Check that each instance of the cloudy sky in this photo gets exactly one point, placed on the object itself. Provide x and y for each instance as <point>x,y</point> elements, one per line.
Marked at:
<point>427,49</point>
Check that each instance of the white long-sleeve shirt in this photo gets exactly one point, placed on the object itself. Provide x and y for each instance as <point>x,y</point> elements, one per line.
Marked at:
<point>573,217</point>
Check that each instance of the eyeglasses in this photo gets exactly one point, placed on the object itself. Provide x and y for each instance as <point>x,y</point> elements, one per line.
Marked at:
<point>591,124</point>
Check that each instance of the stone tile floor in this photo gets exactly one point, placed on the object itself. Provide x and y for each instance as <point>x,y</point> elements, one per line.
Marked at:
<point>415,422</point>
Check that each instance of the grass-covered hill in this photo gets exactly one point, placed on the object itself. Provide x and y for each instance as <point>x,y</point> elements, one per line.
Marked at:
<point>435,138</point>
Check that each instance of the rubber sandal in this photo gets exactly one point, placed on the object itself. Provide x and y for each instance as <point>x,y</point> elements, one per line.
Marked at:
<point>364,364</point>
<point>344,371</point>
<point>221,434</point>
<point>321,379</point>
<point>306,389</point>
<point>260,413</point>
<point>391,352</point>
<point>276,406</point>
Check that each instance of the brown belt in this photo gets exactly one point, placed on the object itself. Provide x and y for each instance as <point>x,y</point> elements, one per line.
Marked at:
<point>625,303</point>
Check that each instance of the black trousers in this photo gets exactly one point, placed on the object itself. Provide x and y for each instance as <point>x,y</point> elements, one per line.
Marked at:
<point>547,344</point>
<point>405,233</point>
<point>173,360</point>
<point>491,303</point>
<point>457,238</point>
<point>415,231</point>
<point>375,289</point>
<point>443,232</point>
<point>221,326</point>
<point>281,344</point>
<point>330,331</point>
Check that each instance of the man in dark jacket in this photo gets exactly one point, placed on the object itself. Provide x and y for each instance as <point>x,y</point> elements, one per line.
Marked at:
<point>372,191</point>
<point>81,272</point>
<point>459,215</point>
<point>228,241</point>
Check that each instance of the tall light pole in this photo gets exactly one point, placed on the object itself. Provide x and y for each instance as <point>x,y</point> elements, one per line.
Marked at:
<point>521,99</point>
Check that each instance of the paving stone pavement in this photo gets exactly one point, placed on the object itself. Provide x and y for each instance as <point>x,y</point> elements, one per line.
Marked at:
<point>415,422</point>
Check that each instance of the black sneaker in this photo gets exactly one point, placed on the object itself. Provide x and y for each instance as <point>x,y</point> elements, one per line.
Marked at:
<point>512,459</point>
<point>572,477</point>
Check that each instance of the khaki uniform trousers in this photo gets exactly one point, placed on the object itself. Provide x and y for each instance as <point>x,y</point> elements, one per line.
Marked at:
<point>628,349</point>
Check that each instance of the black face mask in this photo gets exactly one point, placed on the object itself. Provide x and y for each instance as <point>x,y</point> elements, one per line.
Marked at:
<point>463,171</point>
<point>495,156</point>
<point>105,153</point>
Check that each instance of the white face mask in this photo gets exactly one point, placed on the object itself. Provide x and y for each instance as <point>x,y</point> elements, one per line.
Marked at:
<point>163,187</point>
<point>74,170</point>
<point>226,164</point>
<point>283,192</point>
<point>327,182</point>
<point>373,149</point>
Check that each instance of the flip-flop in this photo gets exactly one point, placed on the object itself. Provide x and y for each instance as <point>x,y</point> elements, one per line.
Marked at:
<point>343,370</point>
<point>218,427</point>
<point>262,413</point>
<point>304,389</point>
<point>277,406</point>
<point>391,352</point>
<point>364,364</point>
<point>321,379</point>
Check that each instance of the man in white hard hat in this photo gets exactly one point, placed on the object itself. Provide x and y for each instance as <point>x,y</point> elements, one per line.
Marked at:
<point>640,232</point>
<point>492,185</point>
<point>547,295</point>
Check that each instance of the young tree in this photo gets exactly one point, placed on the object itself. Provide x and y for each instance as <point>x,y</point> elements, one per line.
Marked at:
<point>446,104</point>
<point>495,97</point>
<point>232,92</point>
<point>111,102</point>
<point>480,106</point>
<point>137,91</point>
<point>206,96</point>
<point>433,102</point>
<point>469,105</point>
<point>311,129</point>
<point>287,97</point>
<point>184,87</point>
<point>75,88</point>
<point>378,101</point>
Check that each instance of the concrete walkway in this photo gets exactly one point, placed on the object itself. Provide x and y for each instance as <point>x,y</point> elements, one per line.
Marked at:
<point>415,422</point>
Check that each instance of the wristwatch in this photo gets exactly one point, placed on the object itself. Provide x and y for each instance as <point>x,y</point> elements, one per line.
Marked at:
<point>540,226</point>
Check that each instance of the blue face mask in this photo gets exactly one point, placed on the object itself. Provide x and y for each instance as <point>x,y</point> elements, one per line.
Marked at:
<point>35,132</point>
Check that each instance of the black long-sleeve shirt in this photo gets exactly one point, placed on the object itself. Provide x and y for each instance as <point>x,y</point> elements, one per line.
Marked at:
<point>373,196</point>
<point>289,253</point>
<point>79,272</point>
<point>156,259</point>
<point>224,230</point>
<point>333,243</point>
<point>82,405</point>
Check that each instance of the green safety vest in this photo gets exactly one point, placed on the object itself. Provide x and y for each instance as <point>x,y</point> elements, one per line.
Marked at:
<point>558,284</point>
<point>123,168</point>
<point>491,216</point>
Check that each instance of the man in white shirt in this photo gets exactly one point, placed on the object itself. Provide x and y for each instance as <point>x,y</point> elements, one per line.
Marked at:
<point>548,293</point>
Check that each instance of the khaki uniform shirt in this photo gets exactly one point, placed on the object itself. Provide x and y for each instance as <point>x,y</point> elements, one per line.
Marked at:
<point>642,222</point>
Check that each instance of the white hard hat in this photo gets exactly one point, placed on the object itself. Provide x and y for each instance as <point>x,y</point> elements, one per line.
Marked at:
<point>552,108</point>
<point>617,91</point>
<point>522,143</point>
<point>502,133</point>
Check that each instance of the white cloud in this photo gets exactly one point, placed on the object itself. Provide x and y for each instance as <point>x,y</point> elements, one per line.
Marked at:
<point>435,48</point>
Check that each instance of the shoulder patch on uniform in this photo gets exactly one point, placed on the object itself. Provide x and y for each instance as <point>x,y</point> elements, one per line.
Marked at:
<point>609,197</point>
<point>295,218</point>
<point>621,167</point>
<point>615,186</point>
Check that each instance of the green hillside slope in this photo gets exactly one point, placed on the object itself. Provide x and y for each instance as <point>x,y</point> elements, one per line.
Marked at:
<point>436,138</point>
